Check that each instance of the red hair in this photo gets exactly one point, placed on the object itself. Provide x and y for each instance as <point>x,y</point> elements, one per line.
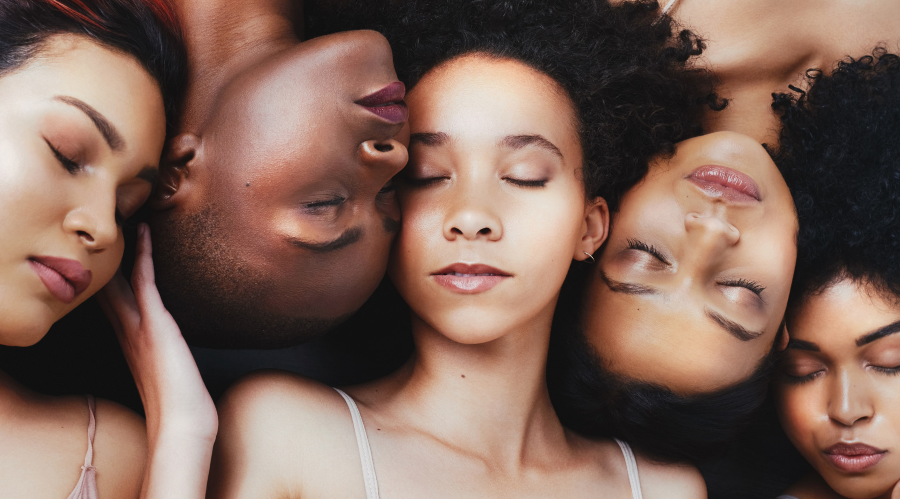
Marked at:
<point>80,11</point>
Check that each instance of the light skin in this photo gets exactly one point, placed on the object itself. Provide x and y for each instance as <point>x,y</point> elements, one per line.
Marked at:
<point>756,48</point>
<point>691,286</point>
<point>838,385</point>
<point>493,176</point>
<point>80,151</point>
<point>294,173</point>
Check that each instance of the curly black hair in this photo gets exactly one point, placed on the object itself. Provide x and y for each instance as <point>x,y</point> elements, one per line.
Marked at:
<point>839,152</point>
<point>624,67</point>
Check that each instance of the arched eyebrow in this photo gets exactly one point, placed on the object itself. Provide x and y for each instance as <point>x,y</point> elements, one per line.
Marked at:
<point>109,132</point>
<point>521,141</point>
<point>429,138</point>
<point>732,327</point>
<point>879,333</point>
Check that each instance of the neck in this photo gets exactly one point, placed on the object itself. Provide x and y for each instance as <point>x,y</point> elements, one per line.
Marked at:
<point>489,399</point>
<point>224,38</point>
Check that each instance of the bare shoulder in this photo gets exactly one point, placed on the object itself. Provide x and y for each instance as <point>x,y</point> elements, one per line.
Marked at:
<point>120,450</point>
<point>278,433</point>
<point>669,480</point>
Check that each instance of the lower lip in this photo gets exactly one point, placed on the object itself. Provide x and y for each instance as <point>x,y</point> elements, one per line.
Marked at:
<point>58,286</point>
<point>468,284</point>
<point>394,113</point>
<point>725,183</point>
<point>854,463</point>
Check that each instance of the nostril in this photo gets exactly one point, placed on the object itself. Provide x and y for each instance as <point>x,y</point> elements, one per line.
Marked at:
<point>86,236</point>
<point>485,230</point>
<point>384,148</point>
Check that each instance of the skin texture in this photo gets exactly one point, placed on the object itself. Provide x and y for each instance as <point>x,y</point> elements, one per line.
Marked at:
<point>649,320</point>
<point>470,413</point>
<point>49,211</point>
<point>756,48</point>
<point>843,392</point>
<point>272,153</point>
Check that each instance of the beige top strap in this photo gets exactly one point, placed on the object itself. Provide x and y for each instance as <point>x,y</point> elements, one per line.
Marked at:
<point>87,483</point>
<point>668,7</point>
<point>631,464</point>
<point>365,453</point>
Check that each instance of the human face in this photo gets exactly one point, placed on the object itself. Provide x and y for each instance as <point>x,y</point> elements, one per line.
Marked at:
<point>493,209</point>
<point>297,160</point>
<point>81,132</point>
<point>839,394</point>
<point>692,286</point>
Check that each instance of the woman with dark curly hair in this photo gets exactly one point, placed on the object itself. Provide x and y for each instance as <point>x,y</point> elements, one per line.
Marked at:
<point>837,394</point>
<point>526,118</point>
<point>87,89</point>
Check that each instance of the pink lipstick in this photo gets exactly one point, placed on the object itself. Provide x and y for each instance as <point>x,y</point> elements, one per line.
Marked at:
<point>470,278</point>
<point>854,458</point>
<point>726,183</point>
<point>64,278</point>
<point>388,103</point>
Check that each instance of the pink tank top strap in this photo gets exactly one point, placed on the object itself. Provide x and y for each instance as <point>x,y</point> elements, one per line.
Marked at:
<point>87,483</point>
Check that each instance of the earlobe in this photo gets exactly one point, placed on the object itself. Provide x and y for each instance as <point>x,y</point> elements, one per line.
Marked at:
<point>783,338</point>
<point>596,229</point>
<point>179,157</point>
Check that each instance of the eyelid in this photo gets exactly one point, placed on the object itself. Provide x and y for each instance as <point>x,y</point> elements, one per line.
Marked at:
<point>640,245</point>
<point>69,164</point>
<point>526,182</point>
<point>751,285</point>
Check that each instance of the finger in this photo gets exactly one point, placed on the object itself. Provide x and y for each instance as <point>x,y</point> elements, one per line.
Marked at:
<point>120,300</point>
<point>896,492</point>
<point>143,279</point>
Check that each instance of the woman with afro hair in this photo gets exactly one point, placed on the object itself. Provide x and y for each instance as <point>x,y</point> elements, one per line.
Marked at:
<point>838,394</point>
<point>528,119</point>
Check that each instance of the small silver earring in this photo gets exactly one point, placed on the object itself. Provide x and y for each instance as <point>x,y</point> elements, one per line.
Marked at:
<point>590,258</point>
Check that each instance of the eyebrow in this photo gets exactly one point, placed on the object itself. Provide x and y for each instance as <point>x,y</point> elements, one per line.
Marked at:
<point>521,141</point>
<point>107,130</point>
<point>348,238</point>
<point>429,138</point>
<point>732,327</point>
<point>879,333</point>
<point>802,345</point>
<point>627,288</point>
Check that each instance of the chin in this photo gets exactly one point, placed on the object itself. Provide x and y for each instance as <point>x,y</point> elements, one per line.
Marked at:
<point>471,327</point>
<point>24,330</point>
<point>863,486</point>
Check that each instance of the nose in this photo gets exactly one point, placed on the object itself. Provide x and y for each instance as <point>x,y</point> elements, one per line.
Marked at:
<point>388,156</point>
<point>93,223</point>
<point>472,218</point>
<point>849,403</point>
<point>711,233</point>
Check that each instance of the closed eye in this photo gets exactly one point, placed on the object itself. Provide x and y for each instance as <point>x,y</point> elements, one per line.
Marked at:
<point>319,207</point>
<point>744,283</point>
<point>69,164</point>
<point>643,247</point>
<point>422,182</point>
<point>526,183</point>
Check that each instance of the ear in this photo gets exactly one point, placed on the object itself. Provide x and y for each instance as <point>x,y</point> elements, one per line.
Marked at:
<point>596,229</point>
<point>180,156</point>
<point>781,341</point>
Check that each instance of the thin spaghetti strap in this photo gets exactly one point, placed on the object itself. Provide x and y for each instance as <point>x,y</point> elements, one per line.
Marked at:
<point>631,464</point>
<point>365,453</point>
<point>87,483</point>
<point>668,7</point>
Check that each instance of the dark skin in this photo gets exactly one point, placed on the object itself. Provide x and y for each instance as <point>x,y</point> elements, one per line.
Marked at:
<point>273,149</point>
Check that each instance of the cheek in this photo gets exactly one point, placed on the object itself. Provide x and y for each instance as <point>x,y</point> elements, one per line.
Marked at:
<point>801,412</point>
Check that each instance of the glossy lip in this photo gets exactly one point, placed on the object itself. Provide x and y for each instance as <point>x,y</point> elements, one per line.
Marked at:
<point>853,457</point>
<point>469,278</point>
<point>64,278</point>
<point>388,103</point>
<point>726,183</point>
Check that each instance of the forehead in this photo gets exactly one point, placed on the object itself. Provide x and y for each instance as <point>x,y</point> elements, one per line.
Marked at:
<point>839,315</point>
<point>477,96</point>
<point>668,341</point>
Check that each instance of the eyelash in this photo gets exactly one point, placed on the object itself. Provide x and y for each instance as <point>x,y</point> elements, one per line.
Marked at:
<point>744,283</point>
<point>317,207</point>
<point>640,245</point>
<point>526,183</point>
<point>893,370</point>
<point>69,164</point>
<point>801,380</point>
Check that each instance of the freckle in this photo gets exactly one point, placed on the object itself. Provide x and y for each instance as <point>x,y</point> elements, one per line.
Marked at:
<point>379,429</point>
<point>463,376</point>
<point>248,184</point>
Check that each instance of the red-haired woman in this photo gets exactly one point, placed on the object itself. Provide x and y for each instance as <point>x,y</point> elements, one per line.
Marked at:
<point>87,88</point>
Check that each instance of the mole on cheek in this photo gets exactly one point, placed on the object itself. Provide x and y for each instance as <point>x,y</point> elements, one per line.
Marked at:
<point>390,225</point>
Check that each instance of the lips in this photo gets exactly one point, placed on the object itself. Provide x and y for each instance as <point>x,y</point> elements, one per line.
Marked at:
<point>388,103</point>
<point>726,183</point>
<point>64,278</point>
<point>854,458</point>
<point>470,278</point>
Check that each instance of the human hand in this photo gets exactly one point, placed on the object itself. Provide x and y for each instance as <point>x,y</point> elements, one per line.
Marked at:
<point>181,416</point>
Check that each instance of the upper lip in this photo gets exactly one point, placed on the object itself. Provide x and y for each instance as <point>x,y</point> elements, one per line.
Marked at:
<point>726,178</point>
<point>471,269</point>
<point>70,269</point>
<point>853,449</point>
